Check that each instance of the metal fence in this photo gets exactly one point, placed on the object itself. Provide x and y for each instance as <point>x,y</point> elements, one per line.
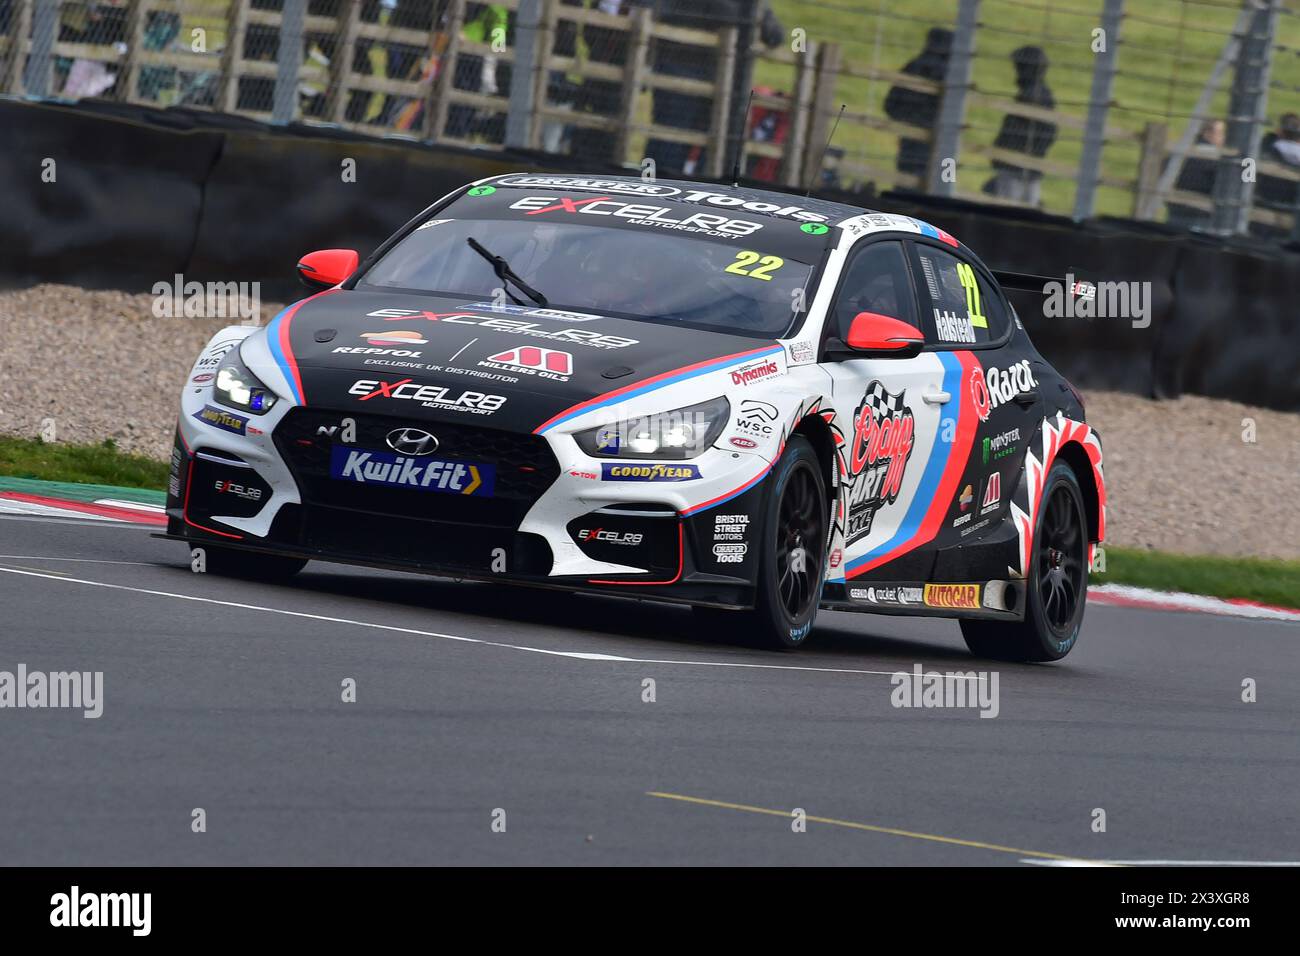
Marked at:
<point>1171,110</point>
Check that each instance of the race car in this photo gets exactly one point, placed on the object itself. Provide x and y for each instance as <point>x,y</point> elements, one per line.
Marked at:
<point>752,403</point>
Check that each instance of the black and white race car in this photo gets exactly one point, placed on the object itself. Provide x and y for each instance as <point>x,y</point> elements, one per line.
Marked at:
<point>749,402</point>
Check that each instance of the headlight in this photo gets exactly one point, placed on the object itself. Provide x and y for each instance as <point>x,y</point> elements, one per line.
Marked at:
<point>239,388</point>
<point>681,433</point>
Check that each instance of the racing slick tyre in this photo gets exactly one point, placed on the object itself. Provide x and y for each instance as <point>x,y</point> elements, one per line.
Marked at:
<point>1056,589</point>
<point>792,555</point>
<point>233,563</point>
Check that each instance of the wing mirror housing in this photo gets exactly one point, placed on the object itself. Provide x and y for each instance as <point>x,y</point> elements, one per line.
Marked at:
<point>872,335</point>
<point>326,268</point>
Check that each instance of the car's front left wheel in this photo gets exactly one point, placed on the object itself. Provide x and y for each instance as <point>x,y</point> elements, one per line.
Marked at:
<point>792,554</point>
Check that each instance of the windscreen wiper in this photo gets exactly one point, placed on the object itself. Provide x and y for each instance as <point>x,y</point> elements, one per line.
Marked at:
<point>506,274</point>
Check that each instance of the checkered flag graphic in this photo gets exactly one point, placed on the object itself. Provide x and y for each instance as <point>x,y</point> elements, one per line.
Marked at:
<point>882,402</point>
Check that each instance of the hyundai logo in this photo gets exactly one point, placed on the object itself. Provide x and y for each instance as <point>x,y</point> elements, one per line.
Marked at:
<point>412,441</point>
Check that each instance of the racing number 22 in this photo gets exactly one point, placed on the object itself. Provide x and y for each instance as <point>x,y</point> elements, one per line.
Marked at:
<point>967,276</point>
<point>765,265</point>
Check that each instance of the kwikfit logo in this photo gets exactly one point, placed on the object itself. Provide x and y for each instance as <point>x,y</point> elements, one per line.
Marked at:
<point>403,471</point>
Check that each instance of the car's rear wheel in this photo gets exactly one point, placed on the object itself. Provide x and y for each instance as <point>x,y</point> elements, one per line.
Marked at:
<point>1056,589</point>
<point>792,558</point>
<point>251,565</point>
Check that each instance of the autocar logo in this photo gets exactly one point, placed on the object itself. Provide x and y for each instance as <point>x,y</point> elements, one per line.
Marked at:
<point>412,441</point>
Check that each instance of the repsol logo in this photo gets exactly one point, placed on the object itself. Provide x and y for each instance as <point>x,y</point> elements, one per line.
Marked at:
<point>362,350</point>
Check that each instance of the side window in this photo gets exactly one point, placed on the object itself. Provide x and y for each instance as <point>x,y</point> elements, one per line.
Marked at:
<point>964,308</point>
<point>876,280</point>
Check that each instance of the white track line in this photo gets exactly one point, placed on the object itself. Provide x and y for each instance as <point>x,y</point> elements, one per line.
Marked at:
<point>573,655</point>
<point>42,557</point>
<point>1160,862</point>
<point>92,521</point>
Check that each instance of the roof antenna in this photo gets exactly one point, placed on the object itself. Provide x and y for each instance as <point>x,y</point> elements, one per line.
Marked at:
<point>740,144</point>
<point>825,149</point>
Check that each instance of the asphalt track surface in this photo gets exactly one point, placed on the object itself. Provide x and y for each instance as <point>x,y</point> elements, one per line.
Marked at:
<point>226,695</point>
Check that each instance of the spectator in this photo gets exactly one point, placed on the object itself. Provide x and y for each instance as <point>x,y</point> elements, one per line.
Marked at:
<point>476,73</point>
<point>1284,145</point>
<point>683,110</point>
<point>1023,135</point>
<point>1274,192</point>
<point>915,108</point>
<point>582,94</point>
<point>1200,166</point>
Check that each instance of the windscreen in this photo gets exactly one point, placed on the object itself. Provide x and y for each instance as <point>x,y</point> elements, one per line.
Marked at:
<point>745,285</point>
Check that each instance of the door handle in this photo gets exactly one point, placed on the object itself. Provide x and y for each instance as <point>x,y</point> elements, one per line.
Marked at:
<point>1026,398</point>
<point>936,398</point>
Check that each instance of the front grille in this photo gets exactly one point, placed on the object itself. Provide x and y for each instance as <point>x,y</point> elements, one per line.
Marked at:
<point>525,468</point>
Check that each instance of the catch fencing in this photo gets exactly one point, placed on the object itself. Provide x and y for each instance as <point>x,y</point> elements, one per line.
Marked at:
<point>1176,111</point>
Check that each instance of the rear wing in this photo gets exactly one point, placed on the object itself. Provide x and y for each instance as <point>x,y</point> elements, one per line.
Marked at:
<point>1025,282</point>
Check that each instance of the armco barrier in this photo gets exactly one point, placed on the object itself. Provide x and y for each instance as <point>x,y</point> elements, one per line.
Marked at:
<point>142,194</point>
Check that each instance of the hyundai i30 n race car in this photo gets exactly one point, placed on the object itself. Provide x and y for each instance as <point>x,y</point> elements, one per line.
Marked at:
<point>756,404</point>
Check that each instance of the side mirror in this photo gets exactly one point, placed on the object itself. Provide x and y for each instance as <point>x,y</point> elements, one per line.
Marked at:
<point>874,335</point>
<point>327,268</point>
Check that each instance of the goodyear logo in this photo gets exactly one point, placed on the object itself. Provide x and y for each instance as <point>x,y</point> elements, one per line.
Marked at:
<point>219,418</point>
<point>649,472</point>
<point>960,596</point>
<point>403,471</point>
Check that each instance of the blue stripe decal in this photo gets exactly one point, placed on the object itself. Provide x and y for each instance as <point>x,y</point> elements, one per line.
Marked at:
<point>712,366</point>
<point>707,506</point>
<point>934,467</point>
<point>277,353</point>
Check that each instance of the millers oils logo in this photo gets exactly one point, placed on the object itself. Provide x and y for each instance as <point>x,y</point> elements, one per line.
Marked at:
<point>648,472</point>
<point>531,360</point>
<point>959,596</point>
